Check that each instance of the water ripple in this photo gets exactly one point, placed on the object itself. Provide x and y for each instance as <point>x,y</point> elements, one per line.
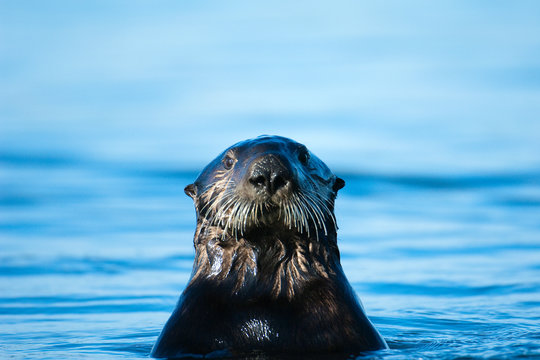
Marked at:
<point>447,290</point>
<point>26,266</point>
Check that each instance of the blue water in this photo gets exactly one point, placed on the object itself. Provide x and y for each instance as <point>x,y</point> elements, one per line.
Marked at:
<point>429,110</point>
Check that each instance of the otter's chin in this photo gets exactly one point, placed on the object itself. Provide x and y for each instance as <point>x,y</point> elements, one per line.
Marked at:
<point>275,228</point>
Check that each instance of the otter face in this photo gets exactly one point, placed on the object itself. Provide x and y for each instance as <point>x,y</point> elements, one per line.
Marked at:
<point>267,181</point>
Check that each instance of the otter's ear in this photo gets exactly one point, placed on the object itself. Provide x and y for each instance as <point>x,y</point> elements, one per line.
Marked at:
<point>339,183</point>
<point>191,191</point>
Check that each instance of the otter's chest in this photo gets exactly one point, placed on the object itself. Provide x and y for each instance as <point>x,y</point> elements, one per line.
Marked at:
<point>258,330</point>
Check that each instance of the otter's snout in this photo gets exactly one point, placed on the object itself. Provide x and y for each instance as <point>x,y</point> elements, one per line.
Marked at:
<point>269,173</point>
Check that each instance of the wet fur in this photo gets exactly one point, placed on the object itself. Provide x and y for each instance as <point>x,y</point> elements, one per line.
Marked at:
<point>267,275</point>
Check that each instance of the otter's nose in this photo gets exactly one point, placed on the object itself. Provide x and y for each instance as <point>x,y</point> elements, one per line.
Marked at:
<point>268,173</point>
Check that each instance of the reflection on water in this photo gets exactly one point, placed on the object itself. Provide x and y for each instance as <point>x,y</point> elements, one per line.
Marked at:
<point>428,110</point>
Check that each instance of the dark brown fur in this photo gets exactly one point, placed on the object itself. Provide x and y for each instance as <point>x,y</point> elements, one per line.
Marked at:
<point>267,276</point>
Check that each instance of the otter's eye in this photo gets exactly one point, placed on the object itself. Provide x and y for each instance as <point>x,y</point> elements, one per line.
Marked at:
<point>303,157</point>
<point>228,162</point>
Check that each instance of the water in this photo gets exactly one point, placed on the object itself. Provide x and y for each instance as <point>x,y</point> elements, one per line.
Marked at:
<point>429,111</point>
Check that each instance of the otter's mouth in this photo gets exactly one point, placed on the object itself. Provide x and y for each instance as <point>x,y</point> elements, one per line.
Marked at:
<point>299,213</point>
<point>269,214</point>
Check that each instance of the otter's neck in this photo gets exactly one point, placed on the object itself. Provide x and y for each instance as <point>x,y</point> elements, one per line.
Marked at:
<point>263,264</point>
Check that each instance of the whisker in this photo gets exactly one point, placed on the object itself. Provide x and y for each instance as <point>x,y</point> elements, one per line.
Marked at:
<point>305,210</point>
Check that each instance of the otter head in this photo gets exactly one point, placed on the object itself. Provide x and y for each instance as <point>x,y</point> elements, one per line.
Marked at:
<point>269,183</point>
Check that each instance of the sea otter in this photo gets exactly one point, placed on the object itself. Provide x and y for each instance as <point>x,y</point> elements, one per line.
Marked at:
<point>267,277</point>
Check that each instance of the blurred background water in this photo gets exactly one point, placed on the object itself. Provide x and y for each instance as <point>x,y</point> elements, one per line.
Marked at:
<point>429,111</point>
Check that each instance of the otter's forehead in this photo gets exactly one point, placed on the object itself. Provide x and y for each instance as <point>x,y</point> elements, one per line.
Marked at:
<point>266,143</point>
<point>244,152</point>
